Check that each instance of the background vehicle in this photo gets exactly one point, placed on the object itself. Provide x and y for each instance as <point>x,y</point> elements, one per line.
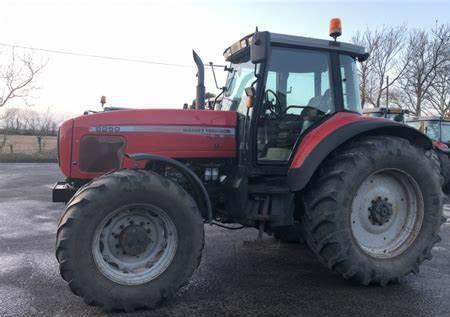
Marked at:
<point>438,130</point>
<point>289,148</point>
<point>396,114</point>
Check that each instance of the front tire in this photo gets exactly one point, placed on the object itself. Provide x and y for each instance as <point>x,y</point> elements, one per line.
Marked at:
<point>374,208</point>
<point>129,240</point>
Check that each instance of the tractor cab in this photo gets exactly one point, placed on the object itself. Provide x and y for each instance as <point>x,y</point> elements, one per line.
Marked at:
<point>282,86</point>
<point>436,128</point>
<point>396,114</point>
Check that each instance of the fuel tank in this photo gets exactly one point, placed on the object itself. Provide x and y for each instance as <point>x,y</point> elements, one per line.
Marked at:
<point>99,141</point>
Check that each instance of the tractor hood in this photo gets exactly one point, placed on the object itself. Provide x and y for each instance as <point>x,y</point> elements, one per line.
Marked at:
<point>99,141</point>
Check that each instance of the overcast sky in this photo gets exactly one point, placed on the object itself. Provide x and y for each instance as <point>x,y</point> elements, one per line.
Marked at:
<point>167,31</point>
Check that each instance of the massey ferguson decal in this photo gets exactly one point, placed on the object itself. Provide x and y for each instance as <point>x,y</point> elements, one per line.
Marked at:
<point>211,131</point>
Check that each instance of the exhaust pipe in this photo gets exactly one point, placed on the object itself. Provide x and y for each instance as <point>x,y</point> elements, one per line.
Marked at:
<point>200,97</point>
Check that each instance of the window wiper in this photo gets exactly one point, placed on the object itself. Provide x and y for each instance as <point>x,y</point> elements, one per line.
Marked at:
<point>224,88</point>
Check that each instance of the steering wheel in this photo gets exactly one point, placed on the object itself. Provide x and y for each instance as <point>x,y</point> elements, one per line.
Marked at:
<point>274,108</point>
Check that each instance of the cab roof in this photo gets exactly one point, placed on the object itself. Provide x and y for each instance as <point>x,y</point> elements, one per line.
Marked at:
<point>300,42</point>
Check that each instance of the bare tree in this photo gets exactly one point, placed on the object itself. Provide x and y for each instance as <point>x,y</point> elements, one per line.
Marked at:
<point>428,53</point>
<point>386,47</point>
<point>27,121</point>
<point>438,95</point>
<point>43,124</point>
<point>3,140</point>
<point>17,76</point>
<point>365,68</point>
<point>12,120</point>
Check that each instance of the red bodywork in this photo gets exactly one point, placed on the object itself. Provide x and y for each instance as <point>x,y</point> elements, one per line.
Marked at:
<point>313,138</point>
<point>174,143</point>
<point>171,133</point>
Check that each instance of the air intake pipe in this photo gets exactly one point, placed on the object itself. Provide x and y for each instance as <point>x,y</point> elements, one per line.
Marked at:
<point>200,97</point>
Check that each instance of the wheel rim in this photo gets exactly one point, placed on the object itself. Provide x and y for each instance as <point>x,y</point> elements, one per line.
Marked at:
<point>387,213</point>
<point>134,244</point>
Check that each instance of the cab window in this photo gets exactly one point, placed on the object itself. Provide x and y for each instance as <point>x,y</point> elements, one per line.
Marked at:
<point>350,84</point>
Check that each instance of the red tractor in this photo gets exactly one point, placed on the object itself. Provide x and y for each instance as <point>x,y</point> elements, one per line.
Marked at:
<point>289,148</point>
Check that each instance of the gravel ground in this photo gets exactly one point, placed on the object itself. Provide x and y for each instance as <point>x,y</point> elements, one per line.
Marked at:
<point>237,277</point>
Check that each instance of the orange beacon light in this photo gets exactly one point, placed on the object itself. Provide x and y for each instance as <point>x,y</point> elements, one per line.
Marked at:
<point>335,28</point>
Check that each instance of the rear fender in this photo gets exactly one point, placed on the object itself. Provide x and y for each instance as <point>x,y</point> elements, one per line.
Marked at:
<point>318,144</point>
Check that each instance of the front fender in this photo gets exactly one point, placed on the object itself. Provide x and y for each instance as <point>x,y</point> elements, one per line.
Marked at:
<point>203,201</point>
<point>334,132</point>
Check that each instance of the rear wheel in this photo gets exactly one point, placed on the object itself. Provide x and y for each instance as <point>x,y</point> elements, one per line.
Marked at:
<point>374,209</point>
<point>129,240</point>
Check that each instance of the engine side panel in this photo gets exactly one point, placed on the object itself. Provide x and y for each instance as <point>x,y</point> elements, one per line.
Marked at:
<point>170,133</point>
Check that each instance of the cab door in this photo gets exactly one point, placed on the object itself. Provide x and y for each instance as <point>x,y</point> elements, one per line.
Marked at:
<point>297,93</point>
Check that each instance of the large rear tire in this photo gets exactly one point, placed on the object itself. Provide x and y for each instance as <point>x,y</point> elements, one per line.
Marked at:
<point>374,208</point>
<point>129,240</point>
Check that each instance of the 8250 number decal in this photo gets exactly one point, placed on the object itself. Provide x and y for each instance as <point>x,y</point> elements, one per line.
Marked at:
<point>106,129</point>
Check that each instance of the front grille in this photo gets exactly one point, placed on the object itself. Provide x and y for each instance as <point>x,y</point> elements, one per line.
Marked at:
<point>58,147</point>
<point>100,154</point>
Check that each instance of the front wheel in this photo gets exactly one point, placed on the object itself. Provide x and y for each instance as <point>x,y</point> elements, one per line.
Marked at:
<point>129,240</point>
<point>374,209</point>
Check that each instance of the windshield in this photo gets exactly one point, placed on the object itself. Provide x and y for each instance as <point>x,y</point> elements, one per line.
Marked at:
<point>241,76</point>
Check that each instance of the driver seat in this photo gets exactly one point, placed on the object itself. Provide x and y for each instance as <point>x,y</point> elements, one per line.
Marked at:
<point>288,130</point>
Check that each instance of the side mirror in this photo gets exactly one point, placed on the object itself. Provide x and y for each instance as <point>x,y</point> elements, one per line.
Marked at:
<point>250,94</point>
<point>259,47</point>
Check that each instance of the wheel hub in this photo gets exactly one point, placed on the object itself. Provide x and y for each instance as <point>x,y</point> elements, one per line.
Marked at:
<point>134,244</point>
<point>134,240</point>
<point>380,212</point>
<point>387,213</point>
